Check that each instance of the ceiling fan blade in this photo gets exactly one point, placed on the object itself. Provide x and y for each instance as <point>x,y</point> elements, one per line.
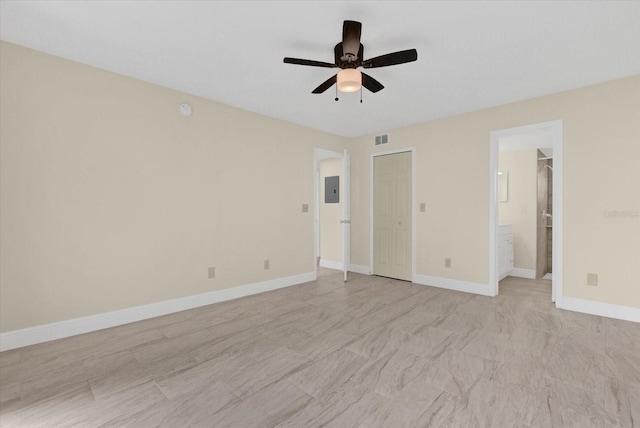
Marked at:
<point>325,85</point>
<point>400,57</point>
<point>371,84</point>
<point>351,37</point>
<point>309,62</point>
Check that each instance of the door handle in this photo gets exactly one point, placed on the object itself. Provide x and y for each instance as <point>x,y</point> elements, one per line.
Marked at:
<point>345,221</point>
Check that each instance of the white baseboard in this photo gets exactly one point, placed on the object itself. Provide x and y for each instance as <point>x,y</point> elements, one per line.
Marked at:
<point>453,284</point>
<point>523,273</point>
<point>609,310</point>
<point>365,270</point>
<point>331,264</point>
<point>57,330</point>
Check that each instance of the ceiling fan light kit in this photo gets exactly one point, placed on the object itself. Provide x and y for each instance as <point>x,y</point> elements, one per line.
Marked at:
<point>349,57</point>
<point>349,80</point>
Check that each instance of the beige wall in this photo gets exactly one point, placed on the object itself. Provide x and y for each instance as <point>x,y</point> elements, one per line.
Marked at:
<point>111,199</point>
<point>331,214</point>
<point>601,171</point>
<point>521,206</point>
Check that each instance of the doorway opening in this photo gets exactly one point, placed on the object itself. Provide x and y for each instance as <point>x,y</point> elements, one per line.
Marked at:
<point>525,216</point>
<point>332,210</point>
<point>330,213</point>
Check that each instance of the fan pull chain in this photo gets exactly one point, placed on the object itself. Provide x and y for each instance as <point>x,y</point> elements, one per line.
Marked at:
<point>336,92</point>
<point>360,94</point>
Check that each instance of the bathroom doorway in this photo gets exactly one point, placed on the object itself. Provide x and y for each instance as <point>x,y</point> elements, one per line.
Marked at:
<point>526,204</point>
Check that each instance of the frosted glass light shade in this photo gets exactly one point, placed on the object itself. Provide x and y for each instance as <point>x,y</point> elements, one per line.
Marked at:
<point>349,80</point>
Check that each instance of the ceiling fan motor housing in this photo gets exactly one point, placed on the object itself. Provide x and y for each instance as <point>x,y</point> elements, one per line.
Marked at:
<point>348,60</point>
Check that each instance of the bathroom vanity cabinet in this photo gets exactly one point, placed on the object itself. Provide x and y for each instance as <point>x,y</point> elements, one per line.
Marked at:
<point>505,250</point>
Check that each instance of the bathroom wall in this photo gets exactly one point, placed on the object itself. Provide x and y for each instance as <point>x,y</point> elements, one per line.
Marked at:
<point>520,209</point>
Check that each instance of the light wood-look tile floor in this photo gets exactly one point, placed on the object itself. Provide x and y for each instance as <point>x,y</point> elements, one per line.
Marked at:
<point>373,352</point>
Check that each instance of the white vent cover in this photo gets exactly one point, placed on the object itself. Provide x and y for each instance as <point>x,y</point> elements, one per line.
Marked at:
<point>382,139</point>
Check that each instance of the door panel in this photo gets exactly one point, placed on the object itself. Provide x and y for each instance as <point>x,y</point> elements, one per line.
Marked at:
<point>384,209</point>
<point>401,197</point>
<point>384,243</point>
<point>392,216</point>
<point>401,248</point>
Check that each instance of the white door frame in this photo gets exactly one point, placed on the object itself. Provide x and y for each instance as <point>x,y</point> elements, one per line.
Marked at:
<point>413,207</point>
<point>556,128</point>
<point>346,214</point>
<point>318,156</point>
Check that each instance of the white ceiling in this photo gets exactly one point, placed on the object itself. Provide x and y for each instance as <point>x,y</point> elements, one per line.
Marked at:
<point>471,55</point>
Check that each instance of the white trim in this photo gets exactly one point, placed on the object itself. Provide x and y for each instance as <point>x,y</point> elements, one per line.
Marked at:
<point>364,270</point>
<point>557,233</point>
<point>413,205</point>
<point>523,273</point>
<point>346,213</point>
<point>556,127</point>
<point>494,271</point>
<point>57,330</point>
<point>453,284</point>
<point>609,310</point>
<point>331,264</point>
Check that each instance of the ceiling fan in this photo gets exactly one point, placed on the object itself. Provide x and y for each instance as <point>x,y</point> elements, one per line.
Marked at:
<point>349,57</point>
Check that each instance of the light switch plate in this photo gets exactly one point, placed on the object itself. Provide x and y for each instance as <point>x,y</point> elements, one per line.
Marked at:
<point>592,279</point>
<point>423,207</point>
<point>212,273</point>
<point>305,208</point>
<point>447,262</point>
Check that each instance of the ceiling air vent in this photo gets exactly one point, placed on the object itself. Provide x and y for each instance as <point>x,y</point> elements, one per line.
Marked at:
<point>382,139</point>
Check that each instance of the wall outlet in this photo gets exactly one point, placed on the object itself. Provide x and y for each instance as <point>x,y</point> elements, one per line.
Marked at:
<point>266,264</point>
<point>423,207</point>
<point>447,262</point>
<point>212,273</point>
<point>592,279</point>
<point>305,208</point>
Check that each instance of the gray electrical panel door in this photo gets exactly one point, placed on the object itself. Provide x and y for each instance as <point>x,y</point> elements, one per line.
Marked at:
<point>332,190</point>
